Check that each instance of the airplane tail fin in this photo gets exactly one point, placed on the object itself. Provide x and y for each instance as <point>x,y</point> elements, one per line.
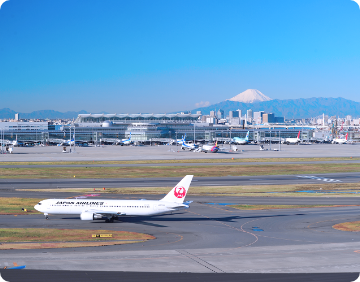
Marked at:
<point>298,137</point>
<point>247,136</point>
<point>178,193</point>
<point>346,137</point>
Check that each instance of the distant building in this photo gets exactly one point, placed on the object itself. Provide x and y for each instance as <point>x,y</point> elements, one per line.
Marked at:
<point>234,121</point>
<point>269,118</point>
<point>220,114</point>
<point>240,113</point>
<point>249,115</point>
<point>233,114</point>
<point>24,126</point>
<point>212,113</point>
<point>211,120</point>
<point>279,119</point>
<point>258,117</point>
<point>17,117</point>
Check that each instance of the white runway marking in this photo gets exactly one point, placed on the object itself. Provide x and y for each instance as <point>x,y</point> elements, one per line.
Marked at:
<point>319,178</point>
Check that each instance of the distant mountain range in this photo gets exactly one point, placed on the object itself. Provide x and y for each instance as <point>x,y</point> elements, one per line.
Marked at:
<point>7,113</point>
<point>291,108</point>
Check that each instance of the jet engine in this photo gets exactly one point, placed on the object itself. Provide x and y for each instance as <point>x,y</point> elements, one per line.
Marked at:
<point>90,216</point>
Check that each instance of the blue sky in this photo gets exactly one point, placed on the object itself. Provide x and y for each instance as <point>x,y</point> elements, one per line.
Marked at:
<point>164,56</point>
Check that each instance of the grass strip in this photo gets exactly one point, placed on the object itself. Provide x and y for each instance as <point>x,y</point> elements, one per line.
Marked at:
<point>43,238</point>
<point>228,160</point>
<point>348,226</point>
<point>28,246</point>
<point>15,205</point>
<point>11,235</point>
<point>275,207</point>
<point>174,171</point>
<point>335,189</point>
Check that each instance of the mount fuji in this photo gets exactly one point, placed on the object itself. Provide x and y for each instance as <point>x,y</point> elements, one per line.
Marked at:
<point>290,108</point>
<point>250,96</point>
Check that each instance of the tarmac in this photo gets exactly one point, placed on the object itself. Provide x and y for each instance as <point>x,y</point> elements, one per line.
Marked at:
<point>209,238</point>
<point>206,239</point>
<point>163,152</point>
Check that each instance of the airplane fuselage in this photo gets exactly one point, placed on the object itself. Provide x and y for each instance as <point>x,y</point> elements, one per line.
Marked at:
<point>120,207</point>
<point>292,141</point>
<point>210,148</point>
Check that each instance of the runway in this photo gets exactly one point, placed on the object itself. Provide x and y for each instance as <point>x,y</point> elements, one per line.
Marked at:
<point>208,239</point>
<point>351,177</point>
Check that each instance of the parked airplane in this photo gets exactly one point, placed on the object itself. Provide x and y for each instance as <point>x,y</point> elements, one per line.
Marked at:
<point>125,141</point>
<point>210,148</point>
<point>180,141</point>
<point>8,142</point>
<point>67,143</point>
<point>111,209</point>
<point>340,140</point>
<point>241,141</point>
<point>189,146</point>
<point>296,140</point>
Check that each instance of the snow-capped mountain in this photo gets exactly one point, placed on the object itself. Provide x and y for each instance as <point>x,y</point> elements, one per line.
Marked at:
<point>250,96</point>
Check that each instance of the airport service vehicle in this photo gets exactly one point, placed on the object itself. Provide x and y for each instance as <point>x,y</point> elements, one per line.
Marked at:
<point>110,210</point>
<point>340,140</point>
<point>210,148</point>
<point>241,141</point>
<point>295,141</point>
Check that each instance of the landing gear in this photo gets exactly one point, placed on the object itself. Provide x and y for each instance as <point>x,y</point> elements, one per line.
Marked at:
<point>111,220</point>
<point>46,216</point>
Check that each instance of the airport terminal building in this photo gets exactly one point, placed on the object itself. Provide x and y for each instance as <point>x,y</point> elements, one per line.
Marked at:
<point>145,128</point>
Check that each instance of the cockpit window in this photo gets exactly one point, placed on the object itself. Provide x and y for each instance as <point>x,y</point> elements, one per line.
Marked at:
<point>39,204</point>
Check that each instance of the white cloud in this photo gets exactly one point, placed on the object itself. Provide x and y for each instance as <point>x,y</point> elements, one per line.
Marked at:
<point>202,104</point>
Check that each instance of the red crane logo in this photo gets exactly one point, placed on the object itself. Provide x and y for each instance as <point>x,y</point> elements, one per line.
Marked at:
<point>179,192</point>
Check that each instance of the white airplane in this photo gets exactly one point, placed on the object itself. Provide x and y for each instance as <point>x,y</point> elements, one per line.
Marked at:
<point>241,141</point>
<point>125,141</point>
<point>210,148</point>
<point>340,140</point>
<point>189,146</point>
<point>67,143</point>
<point>111,209</point>
<point>9,143</point>
<point>293,140</point>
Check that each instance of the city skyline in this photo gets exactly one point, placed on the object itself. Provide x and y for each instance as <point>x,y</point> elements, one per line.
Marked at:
<point>169,56</point>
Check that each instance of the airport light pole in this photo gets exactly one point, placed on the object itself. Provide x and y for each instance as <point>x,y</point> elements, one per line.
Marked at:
<point>270,140</point>
<point>70,138</point>
<point>279,140</point>
<point>230,139</point>
<point>74,138</point>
